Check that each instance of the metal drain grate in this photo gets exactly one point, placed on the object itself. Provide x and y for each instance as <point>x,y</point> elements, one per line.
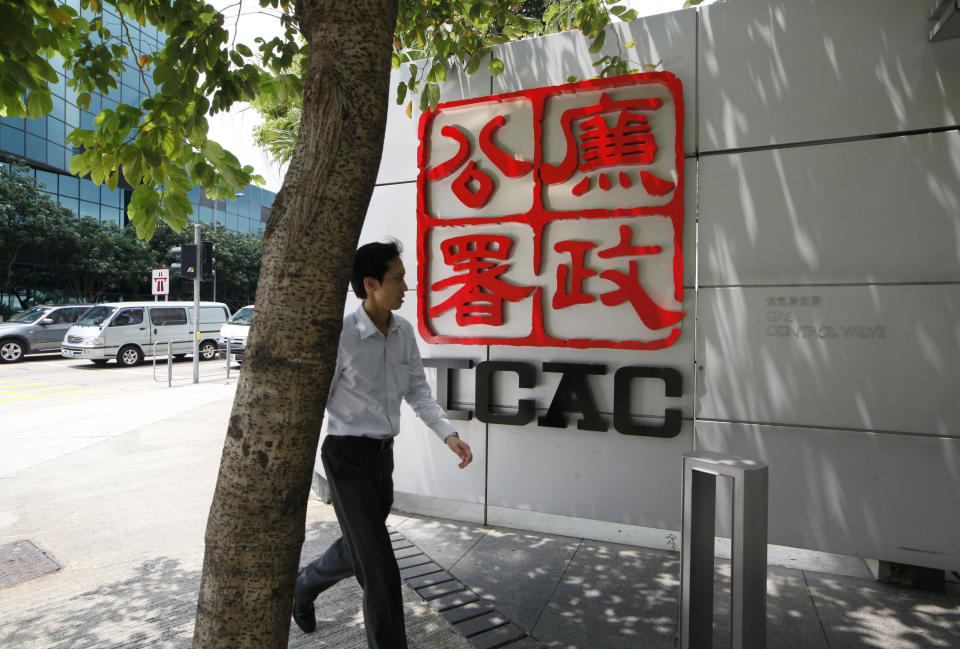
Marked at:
<point>475,619</point>
<point>22,561</point>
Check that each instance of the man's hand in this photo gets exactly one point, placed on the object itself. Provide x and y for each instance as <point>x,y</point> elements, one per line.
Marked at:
<point>461,448</point>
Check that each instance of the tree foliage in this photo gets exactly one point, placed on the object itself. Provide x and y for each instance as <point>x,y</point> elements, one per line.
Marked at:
<point>159,147</point>
<point>30,225</point>
<point>47,253</point>
<point>434,36</point>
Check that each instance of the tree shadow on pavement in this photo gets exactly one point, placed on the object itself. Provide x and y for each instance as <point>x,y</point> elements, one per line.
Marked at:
<point>153,608</point>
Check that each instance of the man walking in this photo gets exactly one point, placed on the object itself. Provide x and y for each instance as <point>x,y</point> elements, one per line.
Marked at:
<point>378,364</point>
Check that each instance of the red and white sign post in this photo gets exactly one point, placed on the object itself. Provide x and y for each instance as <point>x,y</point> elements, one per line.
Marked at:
<point>161,283</point>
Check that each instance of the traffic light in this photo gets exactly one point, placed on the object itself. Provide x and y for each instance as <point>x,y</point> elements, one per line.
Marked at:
<point>188,260</point>
<point>207,261</point>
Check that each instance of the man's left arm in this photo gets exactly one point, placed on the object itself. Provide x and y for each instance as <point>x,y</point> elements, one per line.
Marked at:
<point>421,399</point>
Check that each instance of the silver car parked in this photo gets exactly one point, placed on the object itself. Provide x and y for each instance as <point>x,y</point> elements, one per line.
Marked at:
<point>37,329</point>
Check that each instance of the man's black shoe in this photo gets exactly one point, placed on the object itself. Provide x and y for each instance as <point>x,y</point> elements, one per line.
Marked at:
<point>303,612</point>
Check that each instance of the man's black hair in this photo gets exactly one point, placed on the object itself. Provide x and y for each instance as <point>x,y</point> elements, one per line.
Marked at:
<point>372,260</point>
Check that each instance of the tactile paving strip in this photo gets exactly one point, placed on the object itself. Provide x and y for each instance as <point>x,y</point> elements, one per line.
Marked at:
<point>476,619</point>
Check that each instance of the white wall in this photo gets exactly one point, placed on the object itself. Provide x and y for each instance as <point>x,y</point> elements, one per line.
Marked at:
<point>823,293</point>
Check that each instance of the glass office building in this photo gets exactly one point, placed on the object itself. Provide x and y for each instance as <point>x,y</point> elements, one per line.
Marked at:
<point>40,144</point>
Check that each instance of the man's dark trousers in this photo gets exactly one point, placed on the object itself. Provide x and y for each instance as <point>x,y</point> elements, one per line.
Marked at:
<point>360,474</point>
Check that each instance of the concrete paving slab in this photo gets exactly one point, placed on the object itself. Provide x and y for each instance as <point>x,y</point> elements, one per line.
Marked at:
<point>859,614</point>
<point>445,541</point>
<point>516,567</point>
<point>626,596</point>
<point>524,617</point>
<point>792,619</point>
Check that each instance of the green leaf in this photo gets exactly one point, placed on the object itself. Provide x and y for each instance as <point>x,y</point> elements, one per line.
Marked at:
<point>39,103</point>
<point>474,64</point>
<point>401,93</point>
<point>80,163</point>
<point>495,67</point>
<point>176,209</point>
<point>572,78</point>
<point>597,43</point>
<point>243,49</point>
<point>143,210</point>
<point>629,16</point>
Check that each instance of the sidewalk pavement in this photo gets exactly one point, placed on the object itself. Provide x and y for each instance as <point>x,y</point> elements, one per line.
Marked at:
<point>124,520</point>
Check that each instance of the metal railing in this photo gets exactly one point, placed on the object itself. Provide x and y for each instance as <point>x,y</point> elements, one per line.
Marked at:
<point>227,354</point>
<point>748,590</point>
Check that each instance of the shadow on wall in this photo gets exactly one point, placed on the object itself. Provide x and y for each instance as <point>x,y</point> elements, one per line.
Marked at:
<point>859,430</point>
<point>776,72</point>
<point>828,280</point>
<point>551,60</point>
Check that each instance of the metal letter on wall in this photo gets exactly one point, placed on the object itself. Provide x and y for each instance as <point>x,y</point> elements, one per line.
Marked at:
<point>673,387</point>
<point>554,216</point>
<point>527,378</point>
<point>446,386</point>
<point>574,395</point>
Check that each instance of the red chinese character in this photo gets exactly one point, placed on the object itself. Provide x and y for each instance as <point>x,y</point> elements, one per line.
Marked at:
<point>630,142</point>
<point>650,313</point>
<point>476,196</point>
<point>576,271</point>
<point>480,299</point>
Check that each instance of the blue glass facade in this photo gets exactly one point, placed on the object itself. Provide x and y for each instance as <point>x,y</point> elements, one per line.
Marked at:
<point>40,143</point>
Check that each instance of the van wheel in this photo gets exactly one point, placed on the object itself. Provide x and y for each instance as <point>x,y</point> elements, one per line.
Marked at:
<point>129,355</point>
<point>11,350</point>
<point>208,350</point>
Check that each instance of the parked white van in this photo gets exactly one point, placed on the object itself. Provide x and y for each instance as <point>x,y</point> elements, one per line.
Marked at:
<point>234,333</point>
<point>128,331</point>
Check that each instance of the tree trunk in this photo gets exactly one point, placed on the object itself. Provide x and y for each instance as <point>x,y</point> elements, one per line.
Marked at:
<point>256,525</point>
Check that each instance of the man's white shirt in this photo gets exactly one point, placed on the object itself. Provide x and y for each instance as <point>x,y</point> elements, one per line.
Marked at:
<point>373,374</point>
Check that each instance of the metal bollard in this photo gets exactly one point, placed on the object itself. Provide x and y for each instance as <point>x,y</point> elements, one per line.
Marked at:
<point>749,560</point>
<point>169,362</point>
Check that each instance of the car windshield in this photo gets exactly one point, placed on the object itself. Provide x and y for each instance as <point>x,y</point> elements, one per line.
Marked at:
<point>30,315</point>
<point>242,317</point>
<point>96,316</point>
